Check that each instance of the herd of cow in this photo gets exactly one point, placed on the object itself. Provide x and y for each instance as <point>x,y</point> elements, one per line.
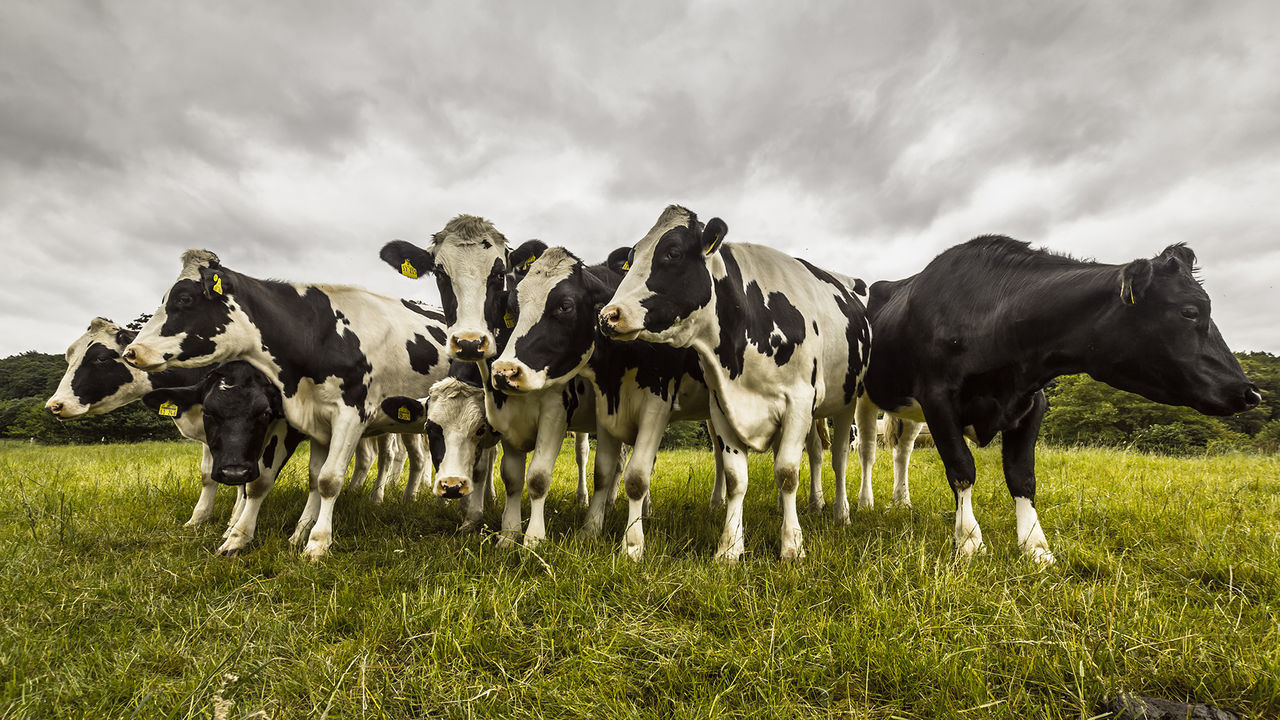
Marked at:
<point>532,343</point>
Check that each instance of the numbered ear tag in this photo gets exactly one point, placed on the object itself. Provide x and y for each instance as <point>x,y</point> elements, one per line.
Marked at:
<point>404,414</point>
<point>527,263</point>
<point>712,247</point>
<point>217,283</point>
<point>509,320</point>
<point>168,409</point>
<point>408,270</point>
<point>626,265</point>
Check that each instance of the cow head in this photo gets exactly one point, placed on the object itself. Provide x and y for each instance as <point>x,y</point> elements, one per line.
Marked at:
<point>668,280</point>
<point>553,304</point>
<point>1164,345</point>
<point>469,259</point>
<point>199,322</point>
<point>97,379</point>
<point>242,411</point>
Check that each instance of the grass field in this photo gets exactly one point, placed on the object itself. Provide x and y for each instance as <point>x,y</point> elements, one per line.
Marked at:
<point>1167,584</point>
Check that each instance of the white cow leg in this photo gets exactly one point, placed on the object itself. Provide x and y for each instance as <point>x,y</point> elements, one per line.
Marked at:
<point>786,474</point>
<point>247,522</point>
<point>236,510</point>
<point>391,457</point>
<point>581,452</point>
<point>636,479</point>
<point>907,432</point>
<point>551,429</point>
<point>717,490</point>
<point>608,459</point>
<point>482,477</point>
<point>865,416</point>
<point>734,457</point>
<point>308,517</point>
<point>813,449</point>
<point>1030,535</point>
<point>365,454</point>
<point>968,534</point>
<point>419,467</point>
<point>203,510</point>
<point>513,484</point>
<point>345,438</point>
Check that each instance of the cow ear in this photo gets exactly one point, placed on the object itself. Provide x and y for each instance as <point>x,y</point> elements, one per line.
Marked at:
<point>620,260</point>
<point>408,259</point>
<point>522,257</point>
<point>1135,281</point>
<point>403,409</point>
<point>215,282</point>
<point>172,402</point>
<point>599,291</point>
<point>1178,258</point>
<point>712,235</point>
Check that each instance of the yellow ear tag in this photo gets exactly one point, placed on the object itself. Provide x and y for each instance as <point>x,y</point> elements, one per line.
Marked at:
<point>527,263</point>
<point>217,283</point>
<point>712,247</point>
<point>1131,300</point>
<point>626,265</point>
<point>404,414</point>
<point>168,409</point>
<point>408,270</point>
<point>509,320</point>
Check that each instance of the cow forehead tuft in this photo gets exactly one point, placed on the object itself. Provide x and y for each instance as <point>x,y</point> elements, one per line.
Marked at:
<point>469,230</point>
<point>555,262</point>
<point>194,259</point>
<point>450,388</point>
<point>673,216</point>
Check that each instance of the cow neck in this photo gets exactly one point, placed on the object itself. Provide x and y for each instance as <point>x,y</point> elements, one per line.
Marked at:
<point>176,377</point>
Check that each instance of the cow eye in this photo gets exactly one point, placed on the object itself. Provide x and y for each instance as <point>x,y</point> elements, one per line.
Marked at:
<point>479,431</point>
<point>566,306</point>
<point>1191,312</point>
<point>185,300</point>
<point>673,254</point>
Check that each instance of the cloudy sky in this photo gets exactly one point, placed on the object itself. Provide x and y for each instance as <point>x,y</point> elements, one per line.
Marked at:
<point>295,138</point>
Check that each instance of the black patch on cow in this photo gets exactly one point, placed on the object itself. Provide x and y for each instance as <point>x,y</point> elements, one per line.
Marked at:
<point>678,279</point>
<point>773,326</point>
<point>571,397</point>
<point>269,452</point>
<point>495,301</point>
<point>437,334</point>
<point>435,441</point>
<point>202,318</point>
<point>448,299</point>
<point>100,375</point>
<point>658,368</point>
<point>423,353</point>
<point>856,330</point>
<point>566,325</point>
<point>425,311</point>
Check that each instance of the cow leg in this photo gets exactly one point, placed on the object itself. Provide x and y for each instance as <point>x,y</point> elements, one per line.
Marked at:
<point>786,474</point>
<point>841,426</point>
<point>236,510</point>
<point>638,473</point>
<point>342,444</point>
<point>391,457</point>
<point>865,416</point>
<point>717,490</point>
<point>813,448</point>
<point>608,460</point>
<point>581,451</point>
<point>551,430</point>
<point>365,454</point>
<point>241,534</point>
<point>513,483</point>
<point>419,467</point>
<point>482,487</point>
<point>319,453</point>
<point>948,435</point>
<point>1018,453</point>
<point>203,510</point>
<point>734,457</point>
<point>491,492</point>
<point>903,434</point>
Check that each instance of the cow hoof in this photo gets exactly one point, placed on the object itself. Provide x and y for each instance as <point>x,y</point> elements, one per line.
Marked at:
<point>193,522</point>
<point>717,504</point>
<point>904,504</point>
<point>792,553</point>
<point>582,500</point>
<point>506,540</point>
<point>469,526</point>
<point>589,531</point>
<point>531,542</point>
<point>316,551</point>
<point>634,553</point>
<point>970,548</point>
<point>728,556</point>
<point>228,550</point>
<point>376,498</point>
<point>842,518</point>
<point>816,507</point>
<point>1039,555</point>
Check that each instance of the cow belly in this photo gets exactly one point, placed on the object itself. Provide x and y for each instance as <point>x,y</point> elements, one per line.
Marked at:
<point>911,411</point>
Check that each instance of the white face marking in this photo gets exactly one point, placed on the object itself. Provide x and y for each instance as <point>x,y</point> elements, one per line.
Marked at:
<point>458,409</point>
<point>460,253</point>
<point>553,267</point>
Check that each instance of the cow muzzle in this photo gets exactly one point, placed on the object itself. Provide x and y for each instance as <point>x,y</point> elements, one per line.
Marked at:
<point>235,474</point>
<point>453,487</point>
<point>63,410</point>
<point>512,377</point>
<point>144,358</point>
<point>615,324</point>
<point>470,347</point>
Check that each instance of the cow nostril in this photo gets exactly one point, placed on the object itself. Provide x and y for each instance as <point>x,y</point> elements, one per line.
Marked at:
<point>54,408</point>
<point>130,355</point>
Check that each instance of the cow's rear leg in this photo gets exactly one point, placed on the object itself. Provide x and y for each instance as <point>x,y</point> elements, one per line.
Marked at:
<point>366,452</point>
<point>203,510</point>
<point>733,456</point>
<point>814,448</point>
<point>903,435</point>
<point>345,437</point>
<point>1018,453</point>
<point>607,466</point>
<point>319,453</point>
<point>717,490</point>
<point>786,474</point>
<point>581,452</point>
<point>948,435</point>
<point>512,470</point>
<point>391,457</point>
<point>865,415</point>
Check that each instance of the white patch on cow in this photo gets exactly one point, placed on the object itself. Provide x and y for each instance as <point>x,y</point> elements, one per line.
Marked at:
<point>458,408</point>
<point>195,259</point>
<point>1030,535</point>
<point>968,534</point>
<point>465,251</point>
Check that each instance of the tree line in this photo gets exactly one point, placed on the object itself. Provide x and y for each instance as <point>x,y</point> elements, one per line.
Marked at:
<point>1082,411</point>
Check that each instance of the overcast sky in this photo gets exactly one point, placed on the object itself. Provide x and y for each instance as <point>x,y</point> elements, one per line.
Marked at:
<point>295,138</point>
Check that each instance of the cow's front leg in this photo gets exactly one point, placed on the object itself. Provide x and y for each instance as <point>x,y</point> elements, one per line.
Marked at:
<point>419,467</point>
<point>903,436</point>
<point>236,511</point>
<point>948,435</point>
<point>203,510</point>
<point>717,490</point>
<point>551,430</point>
<point>481,473</point>
<point>346,433</point>
<point>1018,453</point>
<point>319,453</point>
<point>636,478</point>
<point>814,450</point>
<point>865,416</point>
<point>581,452</point>
<point>733,456</point>
<point>608,460</point>
<point>512,470</point>
<point>247,522</point>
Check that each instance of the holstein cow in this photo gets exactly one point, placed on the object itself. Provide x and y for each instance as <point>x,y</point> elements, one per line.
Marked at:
<point>780,341</point>
<point>970,341</point>
<point>640,387</point>
<point>469,259</point>
<point>333,351</point>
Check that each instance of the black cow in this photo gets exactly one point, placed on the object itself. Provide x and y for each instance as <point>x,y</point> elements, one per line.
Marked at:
<point>970,341</point>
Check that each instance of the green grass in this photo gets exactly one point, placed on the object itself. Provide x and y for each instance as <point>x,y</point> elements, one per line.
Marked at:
<point>1166,584</point>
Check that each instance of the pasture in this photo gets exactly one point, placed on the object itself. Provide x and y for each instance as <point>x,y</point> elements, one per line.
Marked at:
<point>1167,584</point>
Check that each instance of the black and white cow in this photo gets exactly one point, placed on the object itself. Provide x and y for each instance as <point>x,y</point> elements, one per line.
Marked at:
<point>970,341</point>
<point>335,352</point>
<point>780,341</point>
<point>469,259</point>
